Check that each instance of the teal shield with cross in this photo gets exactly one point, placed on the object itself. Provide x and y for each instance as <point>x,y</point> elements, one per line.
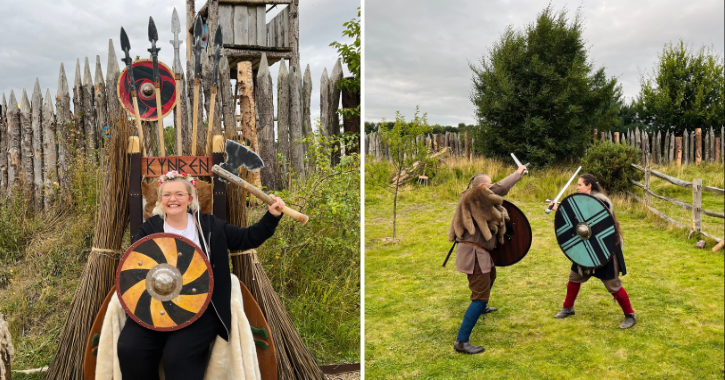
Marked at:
<point>585,230</point>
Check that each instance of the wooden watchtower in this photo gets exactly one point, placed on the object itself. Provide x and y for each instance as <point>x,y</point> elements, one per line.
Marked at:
<point>247,32</point>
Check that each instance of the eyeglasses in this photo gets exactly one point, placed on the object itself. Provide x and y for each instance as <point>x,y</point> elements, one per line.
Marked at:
<point>178,195</point>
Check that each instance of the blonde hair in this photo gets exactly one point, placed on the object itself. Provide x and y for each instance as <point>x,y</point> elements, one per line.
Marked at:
<point>193,206</point>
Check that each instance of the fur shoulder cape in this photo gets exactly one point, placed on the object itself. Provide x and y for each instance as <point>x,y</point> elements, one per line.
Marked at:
<point>479,209</point>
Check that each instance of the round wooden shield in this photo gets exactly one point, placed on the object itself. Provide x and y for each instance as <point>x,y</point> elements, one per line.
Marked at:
<point>517,238</point>
<point>143,75</point>
<point>164,282</point>
<point>585,230</point>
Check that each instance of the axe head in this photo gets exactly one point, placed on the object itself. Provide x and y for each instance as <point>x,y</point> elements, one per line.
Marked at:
<point>239,155</point>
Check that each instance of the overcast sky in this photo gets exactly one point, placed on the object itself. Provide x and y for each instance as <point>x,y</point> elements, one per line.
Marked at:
<point>40,34</point>
<point>417,51</point>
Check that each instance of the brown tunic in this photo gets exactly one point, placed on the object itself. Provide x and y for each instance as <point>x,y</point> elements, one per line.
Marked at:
<point>466,254</point>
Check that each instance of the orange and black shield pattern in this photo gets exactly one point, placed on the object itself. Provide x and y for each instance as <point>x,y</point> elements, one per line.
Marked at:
<point>164,282</point>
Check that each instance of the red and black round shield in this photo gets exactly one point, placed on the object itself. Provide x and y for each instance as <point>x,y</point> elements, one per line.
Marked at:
<point>143,74</point>
<point>164,282</point>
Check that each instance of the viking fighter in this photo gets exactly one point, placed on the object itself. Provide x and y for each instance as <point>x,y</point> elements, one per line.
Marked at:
<point>608,273</point>
<point>478,225</point>
<point>185,352</point>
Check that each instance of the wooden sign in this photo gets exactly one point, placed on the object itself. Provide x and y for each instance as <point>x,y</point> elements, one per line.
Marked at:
<point>195,166</point>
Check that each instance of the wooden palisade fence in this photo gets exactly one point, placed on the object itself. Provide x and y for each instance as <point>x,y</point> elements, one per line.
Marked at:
<point>696,205</point>
<point>458,144</point>
<point>690,148</point>
<point>37,139</point>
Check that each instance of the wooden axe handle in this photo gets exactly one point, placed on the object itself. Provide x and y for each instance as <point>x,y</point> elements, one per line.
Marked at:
<point>296,215</point>
<point>160,124</point>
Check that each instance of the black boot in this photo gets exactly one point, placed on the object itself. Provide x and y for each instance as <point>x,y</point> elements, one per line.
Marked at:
<point>467,348</point>
<point>565,312</point>
<point>629,321</point>
<point>490,309</point>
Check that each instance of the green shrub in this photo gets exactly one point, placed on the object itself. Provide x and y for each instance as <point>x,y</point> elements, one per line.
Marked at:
<point>612,165</point>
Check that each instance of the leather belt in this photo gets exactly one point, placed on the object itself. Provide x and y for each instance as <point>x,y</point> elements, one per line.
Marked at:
<point>474,244</point>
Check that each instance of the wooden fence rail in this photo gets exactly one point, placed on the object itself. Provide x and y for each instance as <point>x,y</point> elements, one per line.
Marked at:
<point>695,207</point>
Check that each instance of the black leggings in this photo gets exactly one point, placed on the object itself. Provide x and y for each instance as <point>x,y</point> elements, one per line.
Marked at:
<point>185,352</point>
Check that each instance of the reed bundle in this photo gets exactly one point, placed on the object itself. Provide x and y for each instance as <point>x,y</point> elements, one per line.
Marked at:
<point>294,360</point>
<point>98,275</point>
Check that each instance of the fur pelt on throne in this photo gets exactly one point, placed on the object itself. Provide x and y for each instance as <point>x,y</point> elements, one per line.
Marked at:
<point>236,359</point>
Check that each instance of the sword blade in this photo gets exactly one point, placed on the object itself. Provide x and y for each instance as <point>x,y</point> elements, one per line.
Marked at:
<point>518,163</point>
<point>556,200</point>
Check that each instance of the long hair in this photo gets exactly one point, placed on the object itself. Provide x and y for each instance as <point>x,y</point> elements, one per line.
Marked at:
<point>193,207</point>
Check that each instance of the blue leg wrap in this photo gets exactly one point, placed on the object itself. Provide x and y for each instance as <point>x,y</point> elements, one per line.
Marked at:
<point>475,309</point>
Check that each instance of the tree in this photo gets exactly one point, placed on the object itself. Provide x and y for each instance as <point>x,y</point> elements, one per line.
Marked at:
<point>350,54</point>
<point>685,91</point>
<point>537,94</point>
<point>404,149</point>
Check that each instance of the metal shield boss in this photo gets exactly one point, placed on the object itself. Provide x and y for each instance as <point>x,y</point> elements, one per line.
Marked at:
<point>517,238</point>
<point>585,231</point>
<point>164,282</point>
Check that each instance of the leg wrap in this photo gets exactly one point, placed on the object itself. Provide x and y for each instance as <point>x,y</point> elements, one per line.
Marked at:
<point>572,290</point>
<point>475,309</point>
<point>623,298</point>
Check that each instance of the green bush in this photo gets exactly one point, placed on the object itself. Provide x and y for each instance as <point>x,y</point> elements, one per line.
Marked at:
<point>612,165</point>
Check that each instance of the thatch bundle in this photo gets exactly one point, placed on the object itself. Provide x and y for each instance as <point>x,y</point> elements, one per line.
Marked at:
<point>294,361</point>
<point>98,275</point>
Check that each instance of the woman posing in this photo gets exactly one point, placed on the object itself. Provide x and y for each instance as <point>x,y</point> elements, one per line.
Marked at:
<point>185,352</point>
<point>609,273</point>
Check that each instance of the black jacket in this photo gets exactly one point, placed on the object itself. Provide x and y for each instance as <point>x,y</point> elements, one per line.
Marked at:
<point>221,237</point>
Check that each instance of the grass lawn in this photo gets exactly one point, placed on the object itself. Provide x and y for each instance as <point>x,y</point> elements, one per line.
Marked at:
<point>413,307</point>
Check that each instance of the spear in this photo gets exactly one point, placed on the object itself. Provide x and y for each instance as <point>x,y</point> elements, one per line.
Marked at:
<point>126,46</point>
<point>153,37</point>
<point>198,29</point>
<point>176,29</point>
<point>214,79</point>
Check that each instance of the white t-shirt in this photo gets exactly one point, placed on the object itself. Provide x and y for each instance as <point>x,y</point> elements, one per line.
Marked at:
<point>189,232</point>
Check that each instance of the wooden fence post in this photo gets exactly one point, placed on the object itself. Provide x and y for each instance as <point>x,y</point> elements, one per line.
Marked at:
<point>717,149</point>
<point>697,204</point>
<point>468,146</point>
<point>678,148</point>
<point>616,138</point>
<point>691,159</point>
<point>13,134</point>
<point>102,118</point>
<point>706,147</point>
<point>295,122</point>
<point>722,144</point>
<point>89,114</point>
<point>685,147</point>
<point>712,144</point>
<point>26,145</point>
<point>647,172</point>
<point>596,136</point>
<point>283,103</point>
<point>324,103</point>
<point>658,148</point>
<point>36,107</point>
<point>245,81</point>
<point>698,146</point>
<point>265,107</point>
<point>334,118</point>
<point>62,127</point>
<point>3,146</point>
<point>49,154</point>
<point>306,115</point>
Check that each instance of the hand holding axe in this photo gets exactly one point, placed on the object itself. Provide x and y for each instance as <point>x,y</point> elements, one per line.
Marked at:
<point>239,155</point>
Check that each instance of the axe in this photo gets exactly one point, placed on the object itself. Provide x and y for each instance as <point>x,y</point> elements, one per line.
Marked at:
<point>239,155</point>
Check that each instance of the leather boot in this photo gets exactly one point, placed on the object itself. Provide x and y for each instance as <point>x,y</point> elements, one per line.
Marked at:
<point>467,348</point>
<point>565,312</point>
<point>490,309</point>
<point>629,321</point>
